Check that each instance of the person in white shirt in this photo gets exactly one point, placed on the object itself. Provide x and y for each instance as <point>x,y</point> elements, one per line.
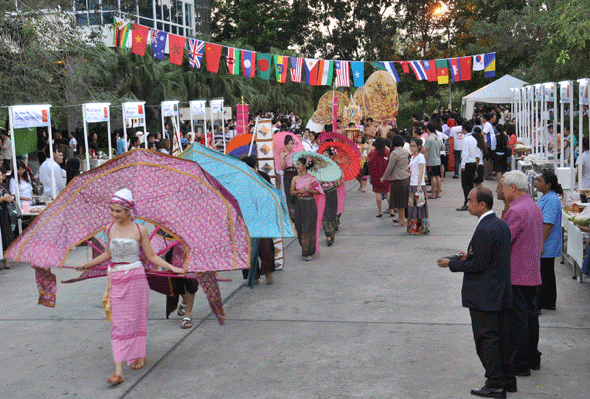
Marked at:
<point>443,153</point>
<point>50,170</point>
<point>73,142</point>
<point>25,189</point>
<point>468,162</point>
<point>490,138</point>
<point>307,140</point>
<point>457,135</point>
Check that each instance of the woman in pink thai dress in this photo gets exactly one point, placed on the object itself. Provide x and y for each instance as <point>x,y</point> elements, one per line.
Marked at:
<point>288,172</point>
<point>309,208</point>
<point>128,288</point>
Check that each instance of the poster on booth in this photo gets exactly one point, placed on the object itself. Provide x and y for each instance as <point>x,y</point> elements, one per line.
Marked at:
<point>217,106</point>
<point>30,116</point>
<point>134,110</point>
<point>549,90</point>
<point>97,112</point>
<point>198,107</point>
<point>538,93</point>
<point>242,118</point>
<point>565,93</point>
<point>584,92</point>
<point>169,108</point>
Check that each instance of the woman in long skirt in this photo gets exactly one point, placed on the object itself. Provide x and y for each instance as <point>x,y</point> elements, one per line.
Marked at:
<point>128,290</point>
<point>309,208</point>
<point>417,215</point>
<point>330,219</point>
<point>377,166</point>
<point>288,172</point>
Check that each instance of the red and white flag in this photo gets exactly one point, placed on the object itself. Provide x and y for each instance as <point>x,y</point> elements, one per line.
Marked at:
<point>296,67</point>
<point>342,69</point>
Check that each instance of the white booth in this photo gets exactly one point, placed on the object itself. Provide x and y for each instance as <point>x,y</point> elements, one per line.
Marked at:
<point>96,113</point>
<point>133,116</point>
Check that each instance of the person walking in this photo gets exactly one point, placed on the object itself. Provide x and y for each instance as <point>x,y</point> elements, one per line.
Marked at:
<point>550,205</point>
<point>377,164</point>
<point>417,212</point>
<point>432,148</point>
<point>525,219</point>
<point>468,162</point>
<point>487,292</point>
<point>398,173</point>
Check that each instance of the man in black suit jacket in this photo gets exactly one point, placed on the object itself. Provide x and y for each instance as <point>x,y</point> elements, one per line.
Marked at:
<point>487,292</point>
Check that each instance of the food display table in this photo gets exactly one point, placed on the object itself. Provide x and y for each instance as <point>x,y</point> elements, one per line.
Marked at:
<point>573,248</point>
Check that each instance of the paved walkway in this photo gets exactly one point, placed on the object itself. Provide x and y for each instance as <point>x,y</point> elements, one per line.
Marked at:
<point>370,317</point>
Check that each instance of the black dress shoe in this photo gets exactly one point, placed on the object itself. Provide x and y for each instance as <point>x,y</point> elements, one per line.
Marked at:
<point>487,392</point>
<point>463,208</point>
<point>510,387</point>
<point>522,373</point>
<point>536,367</point>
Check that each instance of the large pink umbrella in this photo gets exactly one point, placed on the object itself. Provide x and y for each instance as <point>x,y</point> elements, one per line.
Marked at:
<point>340,138</point>
<point>174,194</point>
<point>278,144</point>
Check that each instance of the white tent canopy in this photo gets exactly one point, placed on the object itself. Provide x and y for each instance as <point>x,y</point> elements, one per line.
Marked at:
<point>497,92</point>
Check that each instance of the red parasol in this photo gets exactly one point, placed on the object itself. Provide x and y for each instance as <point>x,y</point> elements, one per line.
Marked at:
<point>340,138</point>
<point>344,157</point>
<point>239,141</point>
<point>278,144</point>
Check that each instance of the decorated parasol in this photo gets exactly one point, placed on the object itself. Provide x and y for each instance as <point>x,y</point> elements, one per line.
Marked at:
<point>239,141</point>
<point>164,188</point>
<point>340,138</point>
<point>264,210</point>
<point>278,140</point>
<point>243,151</point>
<point>344,157</point>
<point>324,169</point>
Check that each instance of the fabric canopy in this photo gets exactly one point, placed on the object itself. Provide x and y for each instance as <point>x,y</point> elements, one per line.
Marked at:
<point>262,205</point>
<point>497,92</point>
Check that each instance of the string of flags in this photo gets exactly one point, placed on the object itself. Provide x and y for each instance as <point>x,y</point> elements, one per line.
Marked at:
<point>316,72</point>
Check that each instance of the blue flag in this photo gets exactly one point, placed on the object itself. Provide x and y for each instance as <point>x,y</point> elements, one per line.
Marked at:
<point>158,43</point>
<point>358,73</point>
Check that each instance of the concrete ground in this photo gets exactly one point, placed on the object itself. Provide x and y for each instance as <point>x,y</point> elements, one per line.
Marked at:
<point>370,317</point>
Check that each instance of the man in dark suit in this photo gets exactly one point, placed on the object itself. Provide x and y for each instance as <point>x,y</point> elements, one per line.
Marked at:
<point>487,292</point>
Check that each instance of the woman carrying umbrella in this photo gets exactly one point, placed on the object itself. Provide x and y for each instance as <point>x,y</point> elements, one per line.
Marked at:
<point>288,170</point>
<point>309,207</point>
<point>128,290</point>
<point>330,219</point>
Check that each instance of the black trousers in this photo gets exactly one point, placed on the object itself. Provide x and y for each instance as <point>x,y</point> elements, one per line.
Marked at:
<point>491,333</point>
<point>457,161</point>
<point>548,294</point>
<point>467,177</point>
<point>524,332</point>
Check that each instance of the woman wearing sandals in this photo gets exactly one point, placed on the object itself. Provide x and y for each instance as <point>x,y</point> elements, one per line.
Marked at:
<point>377,165</point>
<point>417,215</point>
<point>127,290</point>
<point>397,172</point>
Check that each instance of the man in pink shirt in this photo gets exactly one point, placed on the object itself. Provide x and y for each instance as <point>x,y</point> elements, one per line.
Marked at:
<point>525,220</point>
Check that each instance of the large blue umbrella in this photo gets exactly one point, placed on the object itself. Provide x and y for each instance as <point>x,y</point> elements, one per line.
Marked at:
<point>262,205</point>
<point>241,151</point>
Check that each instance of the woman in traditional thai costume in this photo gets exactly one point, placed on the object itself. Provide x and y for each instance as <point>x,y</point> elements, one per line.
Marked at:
<point>128,290</point>
<point>417,215</point>
<point>288,172</point>
<point>377,165</point>
<point>330,219</point>
<point>309,208</point>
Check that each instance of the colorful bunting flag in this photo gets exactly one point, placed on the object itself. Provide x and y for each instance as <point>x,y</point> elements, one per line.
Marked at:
<point>489,61</point>
<point>158,43</point>
<point>405,68</point>
<point>263,69</point>
<point>281,67</point>
<point>419,70</point>
<point>358,73</point>
<point>342,69</point>
<point>139,36</point>
<point>249,63</point>
<point>455,70</point>
<point>232,59</point>
<point>311,71</point>
<point>213,55</point>
<point>478,62</point>
<point>465,65</point>
<point>442,71</point>
<point>296,67</point>
<point>390,67</point>
<point>378,66</point>
<point>430,69</point>
<point>121,32</point>
<point>176,45</point>
<point>325,68</point>
<point>195,52</point>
